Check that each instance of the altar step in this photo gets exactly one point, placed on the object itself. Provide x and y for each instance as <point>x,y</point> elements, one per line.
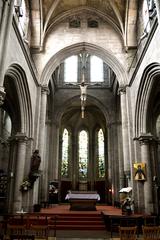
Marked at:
<point>78,222</point>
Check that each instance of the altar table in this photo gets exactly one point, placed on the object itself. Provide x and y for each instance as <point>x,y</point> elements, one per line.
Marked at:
<point>83,200</point>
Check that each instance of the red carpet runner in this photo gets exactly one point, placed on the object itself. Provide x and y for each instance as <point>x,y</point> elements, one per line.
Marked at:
<point>78,220</point>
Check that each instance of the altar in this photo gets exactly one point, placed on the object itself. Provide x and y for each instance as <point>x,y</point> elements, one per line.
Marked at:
<point>83,200</point>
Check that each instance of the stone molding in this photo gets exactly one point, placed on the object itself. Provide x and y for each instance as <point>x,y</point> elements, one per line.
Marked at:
<point>145,138</point>
<point>105,55</point>
<point>122,89</point>
<point>20,137</point>
<point>2,95</point>
<point>45,90</point>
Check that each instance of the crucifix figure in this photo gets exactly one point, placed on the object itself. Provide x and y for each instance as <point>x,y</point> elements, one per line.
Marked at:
<point>83,86</point>
<point>83,97</point>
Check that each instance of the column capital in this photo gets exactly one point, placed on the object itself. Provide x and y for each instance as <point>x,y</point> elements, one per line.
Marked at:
<point>145,138</point>
<point>122,89</point>
<point>45,90</point>
<point>20,137</point>
<point>2,95</point>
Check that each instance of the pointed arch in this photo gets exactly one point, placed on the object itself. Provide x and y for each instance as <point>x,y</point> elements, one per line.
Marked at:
<point>147,81</point>
<point>92,49</point>
<point>16,74</point>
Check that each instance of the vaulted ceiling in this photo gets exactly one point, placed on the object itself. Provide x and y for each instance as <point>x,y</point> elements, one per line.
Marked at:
<point>121,14</point>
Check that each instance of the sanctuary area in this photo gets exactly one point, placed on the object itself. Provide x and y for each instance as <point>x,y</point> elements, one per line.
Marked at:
<point>79,104</point>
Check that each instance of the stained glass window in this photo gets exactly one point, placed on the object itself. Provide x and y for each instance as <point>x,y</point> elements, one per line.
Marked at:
<point>101,159</point>
<point>65,147</point>
<point>71,69</point>
<point>96,69</point>
<point>83,154</point>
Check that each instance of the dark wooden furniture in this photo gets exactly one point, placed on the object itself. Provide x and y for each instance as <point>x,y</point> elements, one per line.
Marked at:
<point>128,233</point>
<point>22,237</point>
<point>151,232</point>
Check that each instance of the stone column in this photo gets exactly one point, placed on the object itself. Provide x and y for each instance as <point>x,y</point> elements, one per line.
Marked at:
<point>144,141</point>
<point>5,29</point>
<point>158,9</point>
<point>19,171</point>
<point>56,149</point>
<point>74,160</point>
<point>44,93</point>
<point>42,121</point>
<point>125,137</point>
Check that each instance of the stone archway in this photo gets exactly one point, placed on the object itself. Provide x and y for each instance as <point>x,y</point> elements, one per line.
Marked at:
<point>147,110</point>
<point>18,105</point>
<point>106,56</point>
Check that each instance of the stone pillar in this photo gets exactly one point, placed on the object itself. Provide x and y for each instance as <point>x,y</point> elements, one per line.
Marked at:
<point>125,137</point>
<point>56,149</point>
<point>44,93</point>
<point>19,171</point>
<point>42,138</point>
<point>144,141</point>
<point>74,160</point>
<point>158,9</point>
<point>5,28</point>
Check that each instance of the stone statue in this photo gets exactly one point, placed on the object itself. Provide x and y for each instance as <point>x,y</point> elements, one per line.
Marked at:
<point>35,161</point>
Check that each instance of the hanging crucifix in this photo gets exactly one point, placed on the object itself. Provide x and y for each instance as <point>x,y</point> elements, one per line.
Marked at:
<point>83,85</point>
<point>83,97</point>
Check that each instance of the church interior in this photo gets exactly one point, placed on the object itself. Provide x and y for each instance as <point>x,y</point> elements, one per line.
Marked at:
<point>79,104</point>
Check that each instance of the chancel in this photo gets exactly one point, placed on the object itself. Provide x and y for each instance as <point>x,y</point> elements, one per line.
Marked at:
<point>80,95</point>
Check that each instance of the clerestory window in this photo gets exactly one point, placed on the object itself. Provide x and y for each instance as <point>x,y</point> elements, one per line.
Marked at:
<point>71,69</point>
<point>96,69</point>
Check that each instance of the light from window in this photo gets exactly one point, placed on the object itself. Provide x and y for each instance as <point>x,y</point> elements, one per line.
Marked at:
<point>101,161</point>
<point>6,125</point>
<point>158,127</point>
<point>83,154</point>
<point>146,16</point>
<point>70,69</point>
<point>21,13</point>
<point>65,147</point>
<point>96,69</point>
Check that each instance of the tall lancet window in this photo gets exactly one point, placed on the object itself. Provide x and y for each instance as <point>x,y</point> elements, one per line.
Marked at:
<point>65,153</point>
<point>101,159</point>
<point>71,69</point>
<point>96,69</point>
<point>83,154</point>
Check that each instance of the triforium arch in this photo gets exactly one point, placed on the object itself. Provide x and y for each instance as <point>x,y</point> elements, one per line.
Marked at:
<point>106,56</point>
<point>146,132</point>
<point>17,105</point>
